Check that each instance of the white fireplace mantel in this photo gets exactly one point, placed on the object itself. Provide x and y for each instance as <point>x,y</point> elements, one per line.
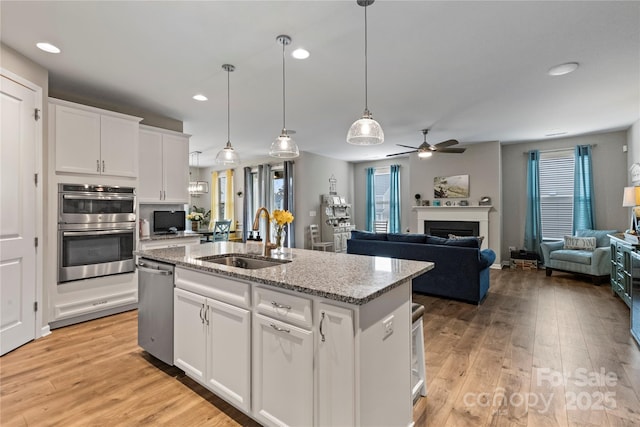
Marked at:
<point>455,213</point>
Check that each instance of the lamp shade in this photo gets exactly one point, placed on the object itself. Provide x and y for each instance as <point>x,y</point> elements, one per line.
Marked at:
<point>631,197</point>
<point>365,131</point>
<point>284,147</point>
<point>227,156</point>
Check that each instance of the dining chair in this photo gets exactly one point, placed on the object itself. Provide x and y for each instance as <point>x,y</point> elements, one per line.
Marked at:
<point>221,230</point>
<point>316,242</point>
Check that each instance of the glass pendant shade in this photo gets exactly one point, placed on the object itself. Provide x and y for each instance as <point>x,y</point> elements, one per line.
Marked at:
<point>365,131</point>
<point>227,156</point>
<point>284,147</point>
<point>197,188</point>
<point>424,154</point>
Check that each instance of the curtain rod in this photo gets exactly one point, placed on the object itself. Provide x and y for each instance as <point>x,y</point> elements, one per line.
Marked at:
<point>561,149</point>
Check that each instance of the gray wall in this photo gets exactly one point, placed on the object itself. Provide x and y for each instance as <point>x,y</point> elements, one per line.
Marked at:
<point>360,200</point>
<point>312,173</point>
<point>482,163</point>
<point>610,177</point>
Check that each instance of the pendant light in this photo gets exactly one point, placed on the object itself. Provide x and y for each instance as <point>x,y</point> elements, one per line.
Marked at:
<point>198,187</point>
<point>284,146</point>
<point>365,131</point>
<point>228,156</point>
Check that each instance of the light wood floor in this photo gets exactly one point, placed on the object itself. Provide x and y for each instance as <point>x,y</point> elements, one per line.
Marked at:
<point>489,365</point>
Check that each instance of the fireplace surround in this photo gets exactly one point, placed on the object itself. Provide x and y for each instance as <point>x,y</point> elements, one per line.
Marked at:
<point>479,214</point>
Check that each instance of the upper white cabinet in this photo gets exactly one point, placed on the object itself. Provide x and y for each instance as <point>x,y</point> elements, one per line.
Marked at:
<point>92,141</point>
<point>164,166</point>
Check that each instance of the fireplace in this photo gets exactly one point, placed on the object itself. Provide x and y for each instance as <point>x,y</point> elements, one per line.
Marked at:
<point>477,214</point>
<point>444,228</point>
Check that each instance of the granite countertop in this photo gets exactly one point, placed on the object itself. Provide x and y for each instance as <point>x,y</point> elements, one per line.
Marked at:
<point>353,279</point>
<point>166,236</point>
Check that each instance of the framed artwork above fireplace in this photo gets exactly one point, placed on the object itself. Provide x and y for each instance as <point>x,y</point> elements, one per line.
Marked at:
<point>448,187</point>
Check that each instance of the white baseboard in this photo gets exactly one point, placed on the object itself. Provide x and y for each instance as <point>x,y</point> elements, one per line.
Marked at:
<point>498,266</point>
<point>46,330</point>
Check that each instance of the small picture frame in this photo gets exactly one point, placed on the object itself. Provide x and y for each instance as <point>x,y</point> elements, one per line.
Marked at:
<point>343,200</point>
<point>336,200</point>
<point>426,203</point>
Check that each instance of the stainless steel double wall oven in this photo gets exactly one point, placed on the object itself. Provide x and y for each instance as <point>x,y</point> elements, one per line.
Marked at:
<point>96,231</point>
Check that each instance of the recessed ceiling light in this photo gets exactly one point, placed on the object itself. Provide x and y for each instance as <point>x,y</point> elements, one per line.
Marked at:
<point>562,69</point>
<point>48,47</point>
<point>300,53</point>
<point>200,97</point>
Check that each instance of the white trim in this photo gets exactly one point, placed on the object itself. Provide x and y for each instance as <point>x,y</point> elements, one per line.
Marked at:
<point>455,213</point>
<point>46,330</point>
<point>39,330</point>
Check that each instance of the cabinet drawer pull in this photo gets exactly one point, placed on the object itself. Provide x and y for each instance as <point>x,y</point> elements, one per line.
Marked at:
<point>278,305</point>
<point>279,329</point>
<point>321,323</point>
<point>201,316</point>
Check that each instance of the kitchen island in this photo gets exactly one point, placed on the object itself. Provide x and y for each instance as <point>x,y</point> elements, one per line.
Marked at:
<point>314,338</point>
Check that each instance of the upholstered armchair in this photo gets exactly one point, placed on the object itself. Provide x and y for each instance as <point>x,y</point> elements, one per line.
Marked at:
<point>589,254</point>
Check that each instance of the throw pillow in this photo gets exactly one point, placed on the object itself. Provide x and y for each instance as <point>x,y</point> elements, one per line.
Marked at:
<point>436,240</point>
<point>580,243</point>
<point>407,238</point>
<point>367,235</point>
<point>480,238</point>
<point>465,242</point>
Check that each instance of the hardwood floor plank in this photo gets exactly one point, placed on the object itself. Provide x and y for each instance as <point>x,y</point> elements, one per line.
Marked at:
<point>529,327</point>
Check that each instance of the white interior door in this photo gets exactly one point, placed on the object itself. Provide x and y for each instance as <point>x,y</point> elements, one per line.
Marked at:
<point>17,215</point>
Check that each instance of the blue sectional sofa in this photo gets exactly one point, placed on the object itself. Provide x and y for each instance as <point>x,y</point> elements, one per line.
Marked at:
<point>461,268</point>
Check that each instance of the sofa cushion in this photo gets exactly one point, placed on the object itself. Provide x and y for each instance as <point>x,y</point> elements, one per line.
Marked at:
<point>601,236</point>
<point>572,255</point>
<point>367,235</point>
<point>436,240</point>
<point>582,243</point>
<point>407,238</point>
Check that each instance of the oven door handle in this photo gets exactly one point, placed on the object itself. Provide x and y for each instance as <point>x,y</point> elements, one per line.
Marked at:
<point>96,232</point>
<point>154,271</point>
<point>77,197</point>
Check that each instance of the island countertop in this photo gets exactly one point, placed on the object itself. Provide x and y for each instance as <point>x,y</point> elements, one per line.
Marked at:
<point>353,279</point>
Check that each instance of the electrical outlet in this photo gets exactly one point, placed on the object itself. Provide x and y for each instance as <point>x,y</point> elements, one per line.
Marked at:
<point>387,327</point>
<point>512,248</point>
<point>312,213</point>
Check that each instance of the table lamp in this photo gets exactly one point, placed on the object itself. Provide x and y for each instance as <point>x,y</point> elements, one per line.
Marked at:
<point>631,199</point>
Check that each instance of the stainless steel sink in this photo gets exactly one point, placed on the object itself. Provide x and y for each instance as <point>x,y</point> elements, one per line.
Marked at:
<point>240,261</point>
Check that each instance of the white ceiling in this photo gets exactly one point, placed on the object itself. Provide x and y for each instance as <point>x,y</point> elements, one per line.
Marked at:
<point>474,71</point>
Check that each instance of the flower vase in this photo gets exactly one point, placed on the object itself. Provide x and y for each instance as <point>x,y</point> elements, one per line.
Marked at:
<point>280,238</point>
<point>194,225</point>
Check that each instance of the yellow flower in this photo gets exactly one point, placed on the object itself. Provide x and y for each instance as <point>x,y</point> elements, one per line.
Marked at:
<point>281,217</point>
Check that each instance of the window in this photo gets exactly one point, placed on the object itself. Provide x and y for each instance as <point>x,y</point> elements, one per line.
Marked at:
<point>222,194</point>
<point>381,187</point>
<point>556,193</point>
<point>277,184</point>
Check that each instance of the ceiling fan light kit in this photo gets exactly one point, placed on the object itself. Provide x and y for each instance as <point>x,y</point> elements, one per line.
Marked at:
<point>426,150</point>
<point>284,146</point>
<point>228,156</point>
<point>365,131</point>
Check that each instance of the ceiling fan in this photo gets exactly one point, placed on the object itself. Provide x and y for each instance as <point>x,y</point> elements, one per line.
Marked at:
<point>426,150</point>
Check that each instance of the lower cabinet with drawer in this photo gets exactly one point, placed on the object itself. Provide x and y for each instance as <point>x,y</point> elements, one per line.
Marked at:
<point>621,268</point>
<point>287,358</point>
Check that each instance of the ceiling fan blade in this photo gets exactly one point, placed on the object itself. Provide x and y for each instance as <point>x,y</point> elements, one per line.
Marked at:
<point>399,154</point>
<point>446,143</point>
<point>407,146</point>
<point>451,150</point>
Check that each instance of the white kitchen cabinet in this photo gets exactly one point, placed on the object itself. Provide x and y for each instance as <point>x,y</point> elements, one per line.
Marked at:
<point>163,166</point>
<point>92,141</point>
<point>189,333</point>
<point>223,334</point>
<point>282,373</point>
<point>335,366</point>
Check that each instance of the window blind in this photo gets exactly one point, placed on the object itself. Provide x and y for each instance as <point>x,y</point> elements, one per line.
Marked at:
<point>556,193</point>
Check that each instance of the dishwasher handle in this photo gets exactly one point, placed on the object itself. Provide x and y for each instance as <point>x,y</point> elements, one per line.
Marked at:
<point>143,267</point>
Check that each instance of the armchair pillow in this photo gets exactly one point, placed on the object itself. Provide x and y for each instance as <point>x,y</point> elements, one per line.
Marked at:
<point>581,243</point>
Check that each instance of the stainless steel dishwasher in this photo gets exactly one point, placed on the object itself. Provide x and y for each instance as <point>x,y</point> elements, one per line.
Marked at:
<point>155,309</point>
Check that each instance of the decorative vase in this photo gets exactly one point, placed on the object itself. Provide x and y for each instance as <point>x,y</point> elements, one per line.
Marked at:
<point>194,225</point>
<point>280,237</point>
